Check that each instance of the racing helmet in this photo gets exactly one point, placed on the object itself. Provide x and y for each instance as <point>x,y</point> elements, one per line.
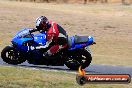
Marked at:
<point>42,23</point>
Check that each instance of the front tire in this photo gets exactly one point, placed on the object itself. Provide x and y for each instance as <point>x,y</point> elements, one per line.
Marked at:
<point>78,58</point>
<point>11,56</point>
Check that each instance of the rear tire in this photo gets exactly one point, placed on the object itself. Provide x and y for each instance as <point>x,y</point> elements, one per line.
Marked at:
<point>10,56</point>
<point>77,58</point>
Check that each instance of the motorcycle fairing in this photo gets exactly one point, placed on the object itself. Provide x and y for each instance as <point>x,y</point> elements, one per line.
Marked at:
<point>75,45</point>
<point>19,39</point>
<point>40,38</point>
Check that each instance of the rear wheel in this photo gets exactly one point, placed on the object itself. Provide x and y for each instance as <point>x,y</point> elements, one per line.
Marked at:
<point>78,58</point>
<point>11,56</point>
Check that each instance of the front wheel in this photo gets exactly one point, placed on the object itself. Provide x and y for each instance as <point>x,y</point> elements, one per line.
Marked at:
<point>78,58</point>
<point>11,56</point>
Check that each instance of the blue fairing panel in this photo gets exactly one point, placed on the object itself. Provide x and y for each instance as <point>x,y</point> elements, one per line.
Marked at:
<point>19,43</point>
<point>76,46</point>
<point>21,40</point>
<point>40,38</point>
<point>24,35</point>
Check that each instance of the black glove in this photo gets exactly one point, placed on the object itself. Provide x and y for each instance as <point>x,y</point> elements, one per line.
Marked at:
<point>33,30</point>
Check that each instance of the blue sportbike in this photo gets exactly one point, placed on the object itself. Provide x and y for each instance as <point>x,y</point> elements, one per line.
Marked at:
<point>77,53</point>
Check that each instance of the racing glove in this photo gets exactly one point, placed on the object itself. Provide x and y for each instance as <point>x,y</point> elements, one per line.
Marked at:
<point>32,48</point>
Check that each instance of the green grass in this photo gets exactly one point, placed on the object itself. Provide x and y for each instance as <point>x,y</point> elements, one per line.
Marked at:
<point>16,77</point>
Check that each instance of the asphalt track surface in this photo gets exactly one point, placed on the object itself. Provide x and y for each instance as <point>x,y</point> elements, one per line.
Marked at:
<point>93,68</point>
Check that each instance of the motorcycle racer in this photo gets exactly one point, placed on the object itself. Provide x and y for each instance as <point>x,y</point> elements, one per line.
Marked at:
<point>55,35</point>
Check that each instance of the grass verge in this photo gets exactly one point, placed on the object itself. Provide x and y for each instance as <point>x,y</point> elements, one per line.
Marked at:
<point>16,77</point>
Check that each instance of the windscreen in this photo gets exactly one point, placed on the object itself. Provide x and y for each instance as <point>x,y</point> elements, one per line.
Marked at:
<point>23,32</point>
